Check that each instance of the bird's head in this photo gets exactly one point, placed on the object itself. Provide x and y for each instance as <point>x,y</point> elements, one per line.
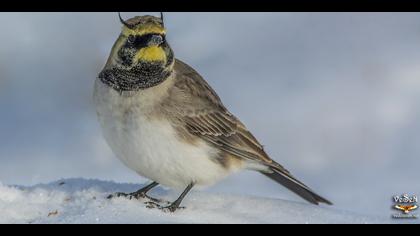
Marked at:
<point>141,50</point>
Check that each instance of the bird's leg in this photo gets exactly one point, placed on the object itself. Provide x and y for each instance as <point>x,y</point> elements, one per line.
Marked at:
<point>175,205</point>
<point>141,193</point>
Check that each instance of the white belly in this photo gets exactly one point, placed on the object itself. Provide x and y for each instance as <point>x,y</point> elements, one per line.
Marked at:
<point>150,146</point>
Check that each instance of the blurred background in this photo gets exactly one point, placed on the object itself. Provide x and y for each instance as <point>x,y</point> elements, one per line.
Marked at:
<point>334,97</point>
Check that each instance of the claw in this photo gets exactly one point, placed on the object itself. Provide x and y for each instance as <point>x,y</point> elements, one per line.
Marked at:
<point>152,205</point>
<point>167,209</point>
<point>152,199</point>
<point>137,196</point>
<point>170,209</point>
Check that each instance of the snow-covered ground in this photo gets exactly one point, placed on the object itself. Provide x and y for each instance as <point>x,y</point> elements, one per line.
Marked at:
<point>84,201</point>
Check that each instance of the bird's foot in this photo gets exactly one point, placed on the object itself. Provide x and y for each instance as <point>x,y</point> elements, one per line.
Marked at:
<point>171,208</point>
<point>167,209</point>
<point>137,196</point>
<point>152,204</point>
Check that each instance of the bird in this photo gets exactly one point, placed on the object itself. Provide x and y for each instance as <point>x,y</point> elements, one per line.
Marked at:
<point>406,208</point>
<point>165,122</point>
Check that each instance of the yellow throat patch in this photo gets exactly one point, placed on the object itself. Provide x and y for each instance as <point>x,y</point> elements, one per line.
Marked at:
<point>152,53</point>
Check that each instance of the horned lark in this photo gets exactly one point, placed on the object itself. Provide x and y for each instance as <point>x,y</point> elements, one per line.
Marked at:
<point>163,120</point>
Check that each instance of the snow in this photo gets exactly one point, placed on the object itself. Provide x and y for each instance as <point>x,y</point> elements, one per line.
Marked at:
<point>84,201</point>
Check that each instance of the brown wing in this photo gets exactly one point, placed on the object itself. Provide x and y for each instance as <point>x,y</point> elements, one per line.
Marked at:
<point>205,116</point>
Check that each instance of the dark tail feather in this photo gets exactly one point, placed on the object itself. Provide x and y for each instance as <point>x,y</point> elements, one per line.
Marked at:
<point>284,178</point>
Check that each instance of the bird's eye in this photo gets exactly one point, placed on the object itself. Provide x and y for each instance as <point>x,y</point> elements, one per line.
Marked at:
<point>157,39</point>
<point>131,39</point>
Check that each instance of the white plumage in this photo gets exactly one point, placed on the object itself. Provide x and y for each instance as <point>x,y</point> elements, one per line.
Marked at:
<point>149,145</point>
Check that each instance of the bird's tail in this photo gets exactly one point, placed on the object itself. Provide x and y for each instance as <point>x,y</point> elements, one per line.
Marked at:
<point>283,177</point>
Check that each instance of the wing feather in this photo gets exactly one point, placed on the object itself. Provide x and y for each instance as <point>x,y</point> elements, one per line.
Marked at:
<point>200,113</point>
<point>206,117</point>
